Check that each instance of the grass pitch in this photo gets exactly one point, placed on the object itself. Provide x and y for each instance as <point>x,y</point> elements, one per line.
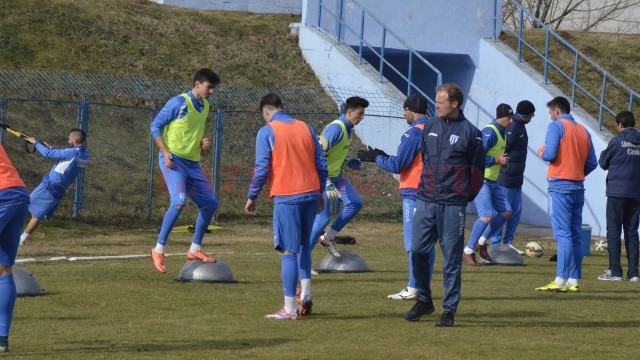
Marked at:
<point>125,309</point>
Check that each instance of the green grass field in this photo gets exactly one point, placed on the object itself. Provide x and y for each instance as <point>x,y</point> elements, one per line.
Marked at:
<point>126,310</point>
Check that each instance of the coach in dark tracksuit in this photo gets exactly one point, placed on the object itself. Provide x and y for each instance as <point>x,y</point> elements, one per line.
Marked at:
<point>622,159</point>
<point>512,176</point>
<point>452,174</point>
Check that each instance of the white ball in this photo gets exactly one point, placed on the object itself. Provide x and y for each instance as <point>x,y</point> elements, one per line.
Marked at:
<point>534,249</point>
<point>601,245</point>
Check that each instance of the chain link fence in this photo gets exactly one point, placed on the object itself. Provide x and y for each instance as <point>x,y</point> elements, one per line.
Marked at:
<point>122,183</point>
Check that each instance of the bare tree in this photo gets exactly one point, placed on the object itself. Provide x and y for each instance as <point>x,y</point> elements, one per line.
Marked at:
<point>582,15</point>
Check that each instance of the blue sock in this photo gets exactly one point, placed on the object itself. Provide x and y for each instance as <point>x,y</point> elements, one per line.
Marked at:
<point>304,263</point>
<point>495,224</point>
<point>289,274</point>
<point>7,302</point>
<point>204,218</point>
<point>476,232</point>
<point>170,219</point>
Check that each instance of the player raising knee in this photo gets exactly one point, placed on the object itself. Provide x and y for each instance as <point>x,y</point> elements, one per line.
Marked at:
<point>336,141</point>
<point>178,131</point>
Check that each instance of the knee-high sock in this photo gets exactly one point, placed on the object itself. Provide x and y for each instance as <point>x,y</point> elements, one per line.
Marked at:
<point>289,280</point>
<point>170,219</point>
<point>7,302</point>
<point>476,232</point>
<point>495,224</point>
<point>304,261</point>
<point>202,223</point>
<point>289,274</point>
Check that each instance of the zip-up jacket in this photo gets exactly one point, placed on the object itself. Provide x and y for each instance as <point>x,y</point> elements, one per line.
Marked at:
<point>453,161</point>
<point>512,176</point>
<point>622,159</point>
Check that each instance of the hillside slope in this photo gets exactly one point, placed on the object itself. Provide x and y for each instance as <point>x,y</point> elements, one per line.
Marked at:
<point>138,37</point>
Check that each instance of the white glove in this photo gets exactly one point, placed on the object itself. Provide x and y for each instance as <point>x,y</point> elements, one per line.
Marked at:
<point>332,192</point>
<point>325,144</point>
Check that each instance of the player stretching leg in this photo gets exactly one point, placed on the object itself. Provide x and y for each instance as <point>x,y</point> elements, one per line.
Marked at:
<point>178,131</point>
<point>335,141</point>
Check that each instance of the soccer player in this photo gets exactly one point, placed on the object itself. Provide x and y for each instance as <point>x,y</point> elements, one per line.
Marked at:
<point>512,176</point>
<point>569,151</point>
<point>14,204</point>
<point>289,155</point>
<point>335,141</point>
<point>178,132</point>
<point>491,197</point>
<point>408,163</point>
<point>453,164</point>
<point>47,196</point>
<point>622,159</point>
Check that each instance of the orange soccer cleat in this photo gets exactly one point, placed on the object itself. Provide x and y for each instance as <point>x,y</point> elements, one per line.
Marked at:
<point>200,255</point>
<point>158,261</point>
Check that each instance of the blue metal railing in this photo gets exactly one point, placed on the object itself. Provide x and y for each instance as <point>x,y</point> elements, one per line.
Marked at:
<point>578,56</point>
<point>342,26</point>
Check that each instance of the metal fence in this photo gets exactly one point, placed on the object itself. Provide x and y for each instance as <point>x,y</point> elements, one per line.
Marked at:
<point>122,183</point>
<point>567,65</point>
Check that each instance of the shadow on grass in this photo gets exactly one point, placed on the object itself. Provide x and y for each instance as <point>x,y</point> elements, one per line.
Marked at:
<point>161,346</point>
<point>535,319</point>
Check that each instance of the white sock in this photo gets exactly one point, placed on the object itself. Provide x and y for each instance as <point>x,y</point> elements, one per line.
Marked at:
<point>159,248</point>
<point>468,251</point>
<point>411,290</point>
<point>290,304</point>
<point>561,281</point>
<point>482,241</point>
<point>194,247</point>
<point>573,281</point>
<point>305,288</point>
<point>330,234</point>
<point>23,237</point>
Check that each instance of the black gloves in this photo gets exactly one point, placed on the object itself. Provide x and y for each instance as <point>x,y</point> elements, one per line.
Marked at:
<point>370,154</point>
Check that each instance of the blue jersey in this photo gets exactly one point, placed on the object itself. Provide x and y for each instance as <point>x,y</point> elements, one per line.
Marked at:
<point>265,141</point>
<point>70,162</point>
<point>175,108</point>
<point>408,149</point>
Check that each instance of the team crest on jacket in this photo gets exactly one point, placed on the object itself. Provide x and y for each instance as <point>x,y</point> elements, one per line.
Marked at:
<point>454,139</point>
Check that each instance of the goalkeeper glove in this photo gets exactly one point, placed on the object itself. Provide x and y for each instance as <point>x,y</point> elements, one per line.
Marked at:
<point>332,192</point>
<point>370,154</point>
<point>324,143</point>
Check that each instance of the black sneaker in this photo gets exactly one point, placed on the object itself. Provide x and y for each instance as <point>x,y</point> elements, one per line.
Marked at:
<point>446,319</point>
<point>419,309</point>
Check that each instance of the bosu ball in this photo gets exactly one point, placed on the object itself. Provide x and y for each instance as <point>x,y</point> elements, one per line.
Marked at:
<point>348,262</point>
<point>505,255</point>
<point>26,284</point>
<point>198,270</point>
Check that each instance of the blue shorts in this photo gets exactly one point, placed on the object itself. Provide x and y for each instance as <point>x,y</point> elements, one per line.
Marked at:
<point>292,224</point>
<point>491,197</point>
<point>187,179</point>
<point>43,204</point>
<point>11,223</point>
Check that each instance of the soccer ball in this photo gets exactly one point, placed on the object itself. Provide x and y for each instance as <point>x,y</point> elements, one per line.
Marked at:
<point>534,249</point>
<point>601,245</point>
